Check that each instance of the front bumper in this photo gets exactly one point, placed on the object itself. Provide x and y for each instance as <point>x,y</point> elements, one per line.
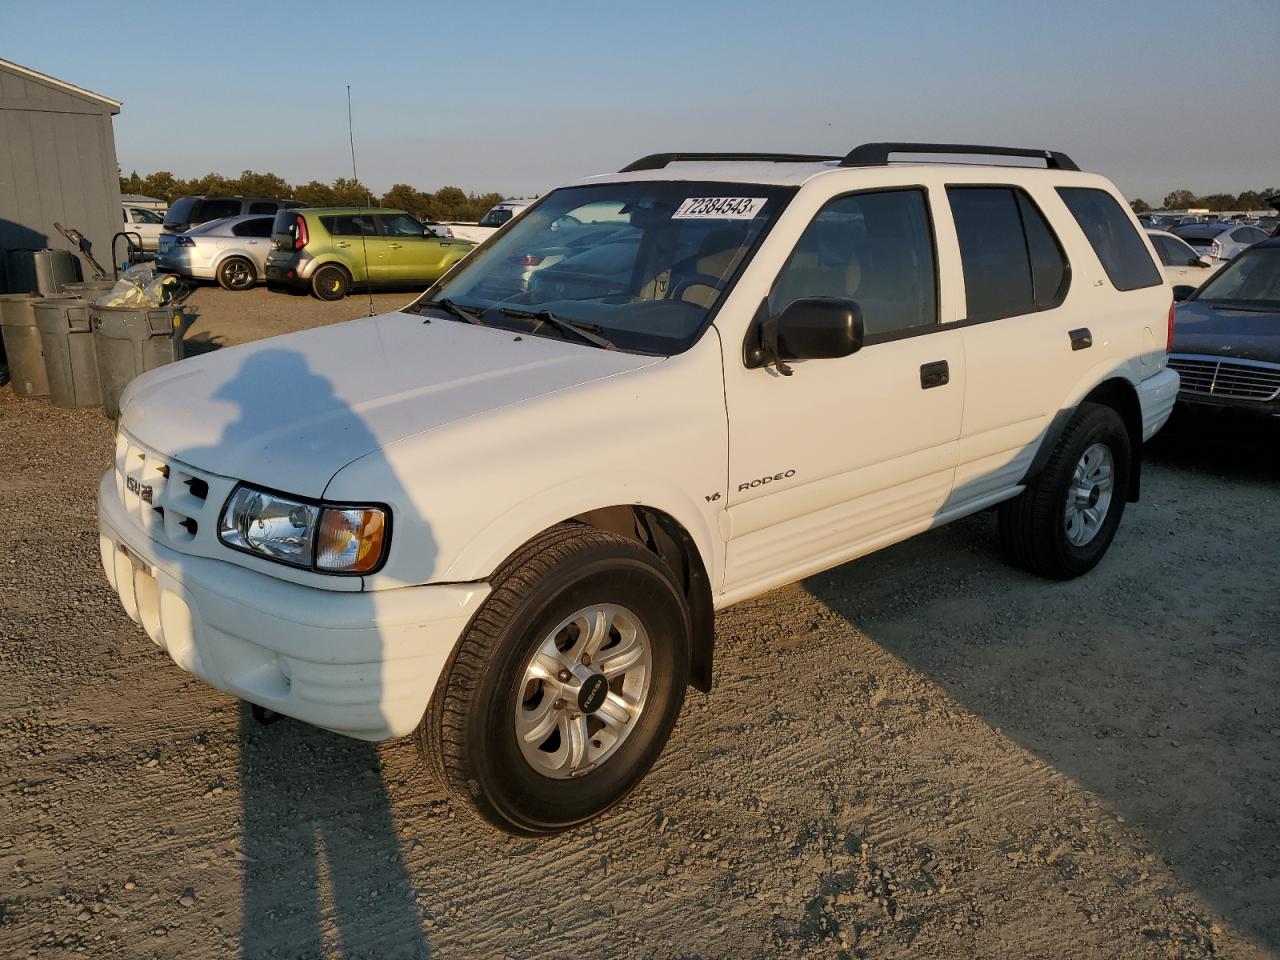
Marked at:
<point>1156,397</point>
<point>362,664</point>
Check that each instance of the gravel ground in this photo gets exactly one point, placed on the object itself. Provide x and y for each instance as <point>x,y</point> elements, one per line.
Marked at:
<point>924,753</point>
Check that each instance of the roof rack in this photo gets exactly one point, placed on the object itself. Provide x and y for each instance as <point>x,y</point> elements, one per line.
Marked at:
<point>657,161</point>
<point>877,154</point>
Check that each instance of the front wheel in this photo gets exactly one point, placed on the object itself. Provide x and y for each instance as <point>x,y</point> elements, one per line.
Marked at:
<point>567,684</point>
<point>1062,523</point>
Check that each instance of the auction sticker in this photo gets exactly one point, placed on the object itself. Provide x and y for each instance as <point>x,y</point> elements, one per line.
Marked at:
<point>719,208</point>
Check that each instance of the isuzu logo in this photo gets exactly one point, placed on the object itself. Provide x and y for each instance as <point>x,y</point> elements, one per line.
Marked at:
<point>591,695</point>
<point>139,489</point>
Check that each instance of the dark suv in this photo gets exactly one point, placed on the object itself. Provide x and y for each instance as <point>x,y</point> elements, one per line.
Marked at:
<point>187,212</point>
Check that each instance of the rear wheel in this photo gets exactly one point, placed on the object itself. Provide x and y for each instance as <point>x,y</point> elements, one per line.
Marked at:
<point>567,684</point>
<point>330,282</point>
<point>1065,520</point>
<point>237,273</point>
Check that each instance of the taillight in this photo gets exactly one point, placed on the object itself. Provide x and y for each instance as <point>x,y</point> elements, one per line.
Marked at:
<point>1168,343</point>
<point>528,260</point>
<point>181,241</point>
<point>1215,249</point>
<point>299,233</point>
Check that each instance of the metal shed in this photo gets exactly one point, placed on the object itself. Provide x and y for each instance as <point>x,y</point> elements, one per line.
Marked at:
<point>59,163</point>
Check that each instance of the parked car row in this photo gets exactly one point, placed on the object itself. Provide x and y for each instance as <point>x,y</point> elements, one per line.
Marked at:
<point>242,241</point>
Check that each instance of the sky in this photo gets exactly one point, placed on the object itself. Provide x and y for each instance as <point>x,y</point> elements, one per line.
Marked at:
<point>516,98</point>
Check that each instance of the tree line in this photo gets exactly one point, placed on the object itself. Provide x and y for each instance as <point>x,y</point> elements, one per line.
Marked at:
<point>447,203</point>
<point>1186,200</point>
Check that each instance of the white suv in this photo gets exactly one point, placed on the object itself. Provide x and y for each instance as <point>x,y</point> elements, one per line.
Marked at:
<point>504,516</point>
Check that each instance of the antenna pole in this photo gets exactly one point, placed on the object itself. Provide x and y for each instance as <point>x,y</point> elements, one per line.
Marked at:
<point>364,244</point>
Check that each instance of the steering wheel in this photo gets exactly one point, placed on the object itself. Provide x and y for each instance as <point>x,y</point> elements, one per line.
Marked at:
<point>697,280</point>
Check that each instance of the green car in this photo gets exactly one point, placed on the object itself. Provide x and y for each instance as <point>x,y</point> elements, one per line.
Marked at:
<point>332,249</point>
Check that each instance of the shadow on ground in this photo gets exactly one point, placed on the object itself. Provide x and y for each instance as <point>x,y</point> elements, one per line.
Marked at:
<point>302,843</point>
<point>1113,678</point>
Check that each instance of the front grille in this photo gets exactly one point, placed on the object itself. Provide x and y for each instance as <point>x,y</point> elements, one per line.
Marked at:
<point>1231,379</point>
<point>170,501</point>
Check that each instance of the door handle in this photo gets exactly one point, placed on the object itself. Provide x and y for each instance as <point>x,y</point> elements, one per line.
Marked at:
<point>1081,339</point>
<point>394,246</point>
<point>343,243</point>
<point>936,374</point>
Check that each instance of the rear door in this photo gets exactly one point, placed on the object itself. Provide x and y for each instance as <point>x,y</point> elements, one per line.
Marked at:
<point>1019,351</point>
<point>356,240</point>
<point>408,253</point>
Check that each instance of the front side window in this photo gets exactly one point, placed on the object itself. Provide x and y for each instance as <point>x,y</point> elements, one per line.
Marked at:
<point>1013,263</point>
<point>873,248</point>
<point>1113,237</point>
<point>142,215</point>
<point>399,225</point>
<point>1175,253</point>
<point>640,265</point>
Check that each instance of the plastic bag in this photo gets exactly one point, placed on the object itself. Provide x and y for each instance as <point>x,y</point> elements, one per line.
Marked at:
<point>142,286</point>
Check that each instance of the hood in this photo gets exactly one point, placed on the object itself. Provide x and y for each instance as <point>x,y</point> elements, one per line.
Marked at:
<point>290,411</point>
<point>1219,330</point>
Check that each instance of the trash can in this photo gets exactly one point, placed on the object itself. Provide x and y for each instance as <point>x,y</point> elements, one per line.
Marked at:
<point>89,289</point>
<point>40,271</point>
<point>132,340</point>
<point>69,357</point>
<point>22,344</point>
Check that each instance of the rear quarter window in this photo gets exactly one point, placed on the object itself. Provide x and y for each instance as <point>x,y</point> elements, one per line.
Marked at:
<point>1113,237</point>
<point>180,210</point>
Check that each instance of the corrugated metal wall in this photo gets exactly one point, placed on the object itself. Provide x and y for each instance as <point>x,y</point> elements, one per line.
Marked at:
<point>57,162</point>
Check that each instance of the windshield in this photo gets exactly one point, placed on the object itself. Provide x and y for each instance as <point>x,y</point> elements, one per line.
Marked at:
<point>641,264</point>
<point>1252,277</point>
<point>497,217</point>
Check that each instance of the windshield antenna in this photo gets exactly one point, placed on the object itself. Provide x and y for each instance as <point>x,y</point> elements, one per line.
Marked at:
<point>364,243</point>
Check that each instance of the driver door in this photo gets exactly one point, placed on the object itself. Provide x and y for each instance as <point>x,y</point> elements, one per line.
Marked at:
<point>846,455</point>
<point>407,252</point>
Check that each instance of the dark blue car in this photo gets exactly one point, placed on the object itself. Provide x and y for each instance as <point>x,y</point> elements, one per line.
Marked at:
<point>1226,337</point>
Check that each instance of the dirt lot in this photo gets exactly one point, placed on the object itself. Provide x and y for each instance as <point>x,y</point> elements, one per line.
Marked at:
<point>924,753</point>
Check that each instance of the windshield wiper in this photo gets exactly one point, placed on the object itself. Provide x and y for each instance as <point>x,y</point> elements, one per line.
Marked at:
<point>589,332</point>
<point>455,310</point>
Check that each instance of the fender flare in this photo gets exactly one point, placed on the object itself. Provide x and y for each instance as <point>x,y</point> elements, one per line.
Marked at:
<point>1117,392</point>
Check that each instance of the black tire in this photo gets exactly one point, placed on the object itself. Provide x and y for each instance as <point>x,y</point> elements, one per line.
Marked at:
<point>237,273</point>
<point>1033,530</point>
<point>468,732</point>
<point>331,282</point>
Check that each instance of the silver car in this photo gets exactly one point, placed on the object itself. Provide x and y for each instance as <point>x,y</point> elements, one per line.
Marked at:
<point>232,251</point>
<point>1218,241</point>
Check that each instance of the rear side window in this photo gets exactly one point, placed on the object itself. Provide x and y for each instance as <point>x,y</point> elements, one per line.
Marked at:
<point>263,206</point>
<point>1113,237</point>
<point>350,225</point>
<point>216,210</point>
<point>1013,263</point>
<point>257,227</point>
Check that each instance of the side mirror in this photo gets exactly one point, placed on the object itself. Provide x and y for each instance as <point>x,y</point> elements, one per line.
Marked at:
<point>1202,262</point>
<point>1181,292</point>
<point>812,328</point>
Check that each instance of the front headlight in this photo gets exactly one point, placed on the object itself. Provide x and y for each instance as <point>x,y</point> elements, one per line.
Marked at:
<point>314,536</point>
